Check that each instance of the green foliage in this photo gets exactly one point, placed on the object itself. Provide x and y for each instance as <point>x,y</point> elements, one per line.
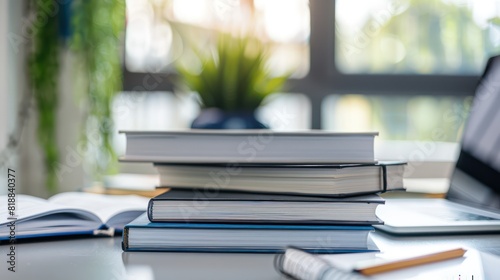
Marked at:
<point>417,36</point>
<point>43,68</point>
<point>495,21</point>
<point>97,26</point>
<point>234,77</point>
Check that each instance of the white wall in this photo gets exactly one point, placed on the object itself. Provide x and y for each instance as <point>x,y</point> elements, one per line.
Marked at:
<point>69,124</point>
<point>27,160</point>
<point>10,11</point>
<point>70,117</point>
<point>3,72</point>
<point>3,85</point>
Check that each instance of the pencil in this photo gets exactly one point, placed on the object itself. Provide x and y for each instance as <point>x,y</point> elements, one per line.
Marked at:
<point>425,259</point>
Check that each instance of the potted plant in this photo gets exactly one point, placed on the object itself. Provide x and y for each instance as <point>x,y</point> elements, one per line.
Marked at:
<point>232,80</point>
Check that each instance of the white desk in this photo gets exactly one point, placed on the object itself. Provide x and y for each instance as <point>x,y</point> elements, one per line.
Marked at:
<point>102,258</point>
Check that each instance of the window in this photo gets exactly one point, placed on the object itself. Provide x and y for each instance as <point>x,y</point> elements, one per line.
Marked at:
<point>416,37</point>
<point>157,31</point>
<point>156,36</point>
<point>399,67</point>
<point>423,118</point>
<point>375,73</point>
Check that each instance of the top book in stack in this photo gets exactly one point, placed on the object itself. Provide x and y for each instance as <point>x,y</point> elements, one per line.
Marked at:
<point>249,146</point>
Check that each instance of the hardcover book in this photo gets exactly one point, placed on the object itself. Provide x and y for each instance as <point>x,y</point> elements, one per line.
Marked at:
<point>248,146</point>
<point>191,205</point>
<point>304,179</point>
<point>143,235</point>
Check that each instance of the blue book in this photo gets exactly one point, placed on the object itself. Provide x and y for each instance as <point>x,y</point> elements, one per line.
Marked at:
<point>143,235</point>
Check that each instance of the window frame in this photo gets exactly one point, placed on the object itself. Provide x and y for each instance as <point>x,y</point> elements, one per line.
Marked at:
<point>324,78</point>
<point>323,17</point>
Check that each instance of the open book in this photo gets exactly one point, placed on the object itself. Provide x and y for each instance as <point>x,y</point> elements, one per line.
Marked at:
<point>71,213</point>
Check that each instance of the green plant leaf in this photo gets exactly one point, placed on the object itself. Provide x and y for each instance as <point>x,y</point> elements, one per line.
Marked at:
<point>97,29</point>
<point>234,76</point>
<point>43,67</point>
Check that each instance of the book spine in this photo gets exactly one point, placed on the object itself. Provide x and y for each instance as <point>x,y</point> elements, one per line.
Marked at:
<point>150,210</point>
<point>384,178</point>
<point>125,239</point>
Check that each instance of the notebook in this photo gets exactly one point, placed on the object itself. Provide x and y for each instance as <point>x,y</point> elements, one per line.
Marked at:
<point>191,205</point>
<point>472,203</point>
<point>474,265</point>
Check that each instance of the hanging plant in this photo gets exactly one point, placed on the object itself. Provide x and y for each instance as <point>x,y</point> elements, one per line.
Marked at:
<point>97,28</point>
<point>43,68</point>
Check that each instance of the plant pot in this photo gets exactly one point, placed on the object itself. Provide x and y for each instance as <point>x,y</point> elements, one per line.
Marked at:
<point>214,118</point>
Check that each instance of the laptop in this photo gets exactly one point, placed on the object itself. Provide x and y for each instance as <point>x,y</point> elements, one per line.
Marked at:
<point>472,203</point>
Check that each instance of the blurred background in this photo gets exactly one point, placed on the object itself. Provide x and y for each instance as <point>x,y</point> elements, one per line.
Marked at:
<point>83,70</point>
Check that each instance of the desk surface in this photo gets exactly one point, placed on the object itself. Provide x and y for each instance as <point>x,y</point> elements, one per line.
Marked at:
<point>102,258</point>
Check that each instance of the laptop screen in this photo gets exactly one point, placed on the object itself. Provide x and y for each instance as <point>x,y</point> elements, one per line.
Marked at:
<point>476,179</point>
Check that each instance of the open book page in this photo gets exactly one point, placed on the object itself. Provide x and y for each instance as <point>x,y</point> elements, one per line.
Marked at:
<point>104,206</point>
<point>27,207</point>
<point>38,217</point>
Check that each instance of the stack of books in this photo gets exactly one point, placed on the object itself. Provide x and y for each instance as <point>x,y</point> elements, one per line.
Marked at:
<point>260,191</point>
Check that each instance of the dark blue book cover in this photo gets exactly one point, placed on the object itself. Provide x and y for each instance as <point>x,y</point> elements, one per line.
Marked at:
<point>143,235</point>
